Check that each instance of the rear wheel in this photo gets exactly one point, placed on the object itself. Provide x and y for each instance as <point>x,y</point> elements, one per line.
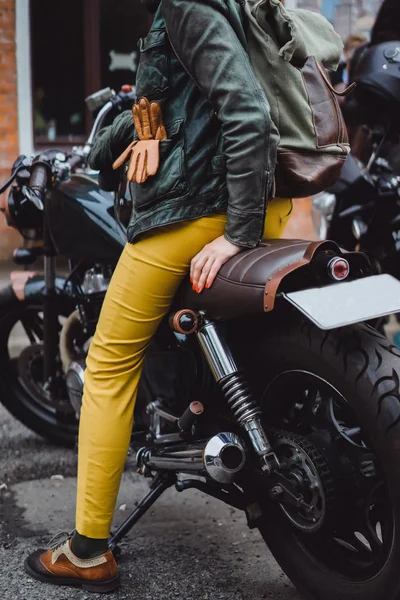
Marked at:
<point>331,405</point>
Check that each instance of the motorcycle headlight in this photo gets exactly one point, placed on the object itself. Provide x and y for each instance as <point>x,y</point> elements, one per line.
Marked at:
<point>22,215</point>
<point>323,206</point>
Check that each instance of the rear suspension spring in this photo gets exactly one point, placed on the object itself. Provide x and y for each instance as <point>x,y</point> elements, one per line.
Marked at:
<point>236,390</point>
<point>239,398</point>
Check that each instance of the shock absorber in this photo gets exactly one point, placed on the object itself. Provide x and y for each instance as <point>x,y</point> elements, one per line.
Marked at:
<point>236,391</point>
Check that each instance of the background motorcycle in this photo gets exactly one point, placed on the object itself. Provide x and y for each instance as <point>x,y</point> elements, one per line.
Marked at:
<point>362,210</point>
<point>47,321</point>
<point>264,391</point>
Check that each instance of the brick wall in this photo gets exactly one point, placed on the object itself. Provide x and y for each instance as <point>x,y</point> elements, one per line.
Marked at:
<point>8,112</point>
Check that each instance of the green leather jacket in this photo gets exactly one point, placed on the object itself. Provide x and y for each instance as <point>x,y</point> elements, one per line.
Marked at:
<point>221,149</point>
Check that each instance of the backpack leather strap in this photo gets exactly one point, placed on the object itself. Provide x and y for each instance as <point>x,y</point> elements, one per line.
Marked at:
<point>345,92</point>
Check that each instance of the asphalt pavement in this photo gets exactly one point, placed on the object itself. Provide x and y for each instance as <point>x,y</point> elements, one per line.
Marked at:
<point>189,547</point>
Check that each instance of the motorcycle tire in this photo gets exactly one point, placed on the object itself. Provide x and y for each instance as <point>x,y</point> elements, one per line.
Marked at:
<point>362,367</point>
<point>22,400</point>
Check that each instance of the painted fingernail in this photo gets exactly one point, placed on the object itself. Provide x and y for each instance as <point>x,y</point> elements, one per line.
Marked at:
<point>208,285</point>
<point>198,289</point>
<point>191,279</point>
<point>194,288</point>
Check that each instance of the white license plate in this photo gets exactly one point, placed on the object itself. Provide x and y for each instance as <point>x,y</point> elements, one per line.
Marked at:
<point>350,302</point>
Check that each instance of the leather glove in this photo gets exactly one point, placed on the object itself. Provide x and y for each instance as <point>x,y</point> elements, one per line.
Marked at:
<point>144,153</point>
<point>148,120</point>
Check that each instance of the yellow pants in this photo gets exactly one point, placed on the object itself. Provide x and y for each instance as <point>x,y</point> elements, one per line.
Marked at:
<point>141,291</point>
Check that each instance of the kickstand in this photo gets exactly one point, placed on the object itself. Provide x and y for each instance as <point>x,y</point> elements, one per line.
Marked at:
<point>160,483</point>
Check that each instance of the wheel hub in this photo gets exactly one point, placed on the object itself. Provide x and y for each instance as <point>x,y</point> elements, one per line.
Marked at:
<point>303,465</point>
<point>30,371</point>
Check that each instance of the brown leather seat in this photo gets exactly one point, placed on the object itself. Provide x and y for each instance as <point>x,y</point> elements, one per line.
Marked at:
<point>248,282</point>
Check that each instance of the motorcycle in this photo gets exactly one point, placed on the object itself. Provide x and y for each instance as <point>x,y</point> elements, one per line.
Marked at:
<point>266,391</point>
<point>361,211</point>
<point>47,321</point>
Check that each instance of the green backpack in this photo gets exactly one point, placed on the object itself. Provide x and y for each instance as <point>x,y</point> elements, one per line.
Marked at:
<point>287,49</point>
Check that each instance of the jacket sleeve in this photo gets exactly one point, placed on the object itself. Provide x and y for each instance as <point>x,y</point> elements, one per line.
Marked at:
<point>111,142</point>
<point>205,42</point>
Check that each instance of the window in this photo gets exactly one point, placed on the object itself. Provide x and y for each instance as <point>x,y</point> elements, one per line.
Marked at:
<point>78,47</point>
<point>121,26</point>
<point>58,71</point>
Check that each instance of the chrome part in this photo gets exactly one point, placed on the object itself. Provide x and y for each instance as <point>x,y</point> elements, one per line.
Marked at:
<point>343,304</point>
<point>157,413</point>
<point>99,98</point>
<point>236,392</point>
<point>93,102</point>
<point>95,281</point>
<point>218,356</point>
<point>334,263</point>
<point>239,398</point>
<point>224,456</point>
<point>247,414</point>
<point>63,169</point>
<point>75,380</point>
<point>168,438</point>
<point>96,127</point>
<point>323,206</point>
<point>182,458</point>
<point>157,409</point>
<point>257,436</point>
<point>220,458</point>
<point>32,197</point>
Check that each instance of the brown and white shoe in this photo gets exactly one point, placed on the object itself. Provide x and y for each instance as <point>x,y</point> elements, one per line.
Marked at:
<point>59,566</point>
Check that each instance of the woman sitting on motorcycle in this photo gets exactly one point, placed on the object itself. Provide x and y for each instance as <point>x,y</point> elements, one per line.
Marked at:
<point>202,169</point>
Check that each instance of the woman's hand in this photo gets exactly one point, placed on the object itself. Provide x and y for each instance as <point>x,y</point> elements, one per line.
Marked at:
<point>206,264</point>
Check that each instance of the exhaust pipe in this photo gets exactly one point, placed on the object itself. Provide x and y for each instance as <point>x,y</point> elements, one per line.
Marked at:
<point>220,458</point>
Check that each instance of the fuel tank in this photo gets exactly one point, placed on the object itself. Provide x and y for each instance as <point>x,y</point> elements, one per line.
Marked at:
<point>82,222</point>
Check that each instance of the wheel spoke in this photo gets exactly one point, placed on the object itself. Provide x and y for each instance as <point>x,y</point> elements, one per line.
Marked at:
<point>376,518</point>
<point>362,545</point>
<point>367,537</point>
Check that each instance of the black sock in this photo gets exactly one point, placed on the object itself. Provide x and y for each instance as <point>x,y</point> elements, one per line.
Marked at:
<point>85,547</point>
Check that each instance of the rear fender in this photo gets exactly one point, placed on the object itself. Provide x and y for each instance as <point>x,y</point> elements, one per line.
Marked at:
<point>250,282</point>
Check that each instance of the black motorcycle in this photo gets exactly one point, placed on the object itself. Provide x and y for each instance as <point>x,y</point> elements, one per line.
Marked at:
<point>361,211</point>
<point>266,391</point>
<point>44,323</point>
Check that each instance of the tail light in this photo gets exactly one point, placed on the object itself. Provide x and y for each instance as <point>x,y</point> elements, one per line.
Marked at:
<point>338,268</point>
